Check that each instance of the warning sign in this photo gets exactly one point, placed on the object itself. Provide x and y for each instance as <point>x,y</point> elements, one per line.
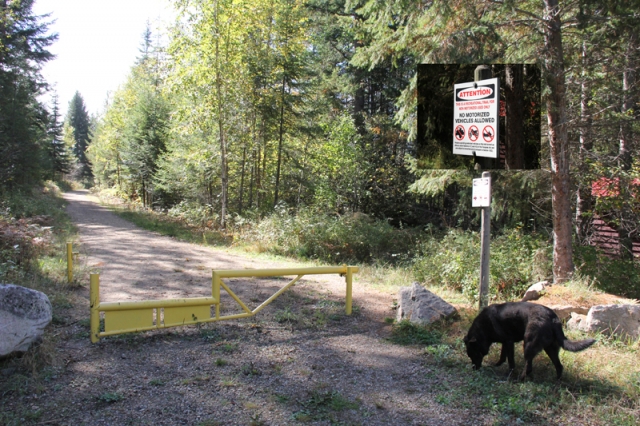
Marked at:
<point>476,106</point>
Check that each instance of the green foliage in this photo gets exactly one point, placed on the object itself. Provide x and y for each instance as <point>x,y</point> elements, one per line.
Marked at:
<point>23,118</point>
<point>407,333</point>
<point>25,219</point>
<point>313,235</point>
<point>611,274</point>
<point>79,125</point>
<point>110,397</point>
<point>517,260</point>
<point>286,315</point>
<point>323,405</point>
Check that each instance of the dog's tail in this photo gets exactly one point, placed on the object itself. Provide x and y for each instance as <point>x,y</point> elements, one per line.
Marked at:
<point>577,345</point>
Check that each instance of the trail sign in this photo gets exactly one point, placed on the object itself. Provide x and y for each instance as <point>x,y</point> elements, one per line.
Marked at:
<point>481,194</point>
<point>476,105</point>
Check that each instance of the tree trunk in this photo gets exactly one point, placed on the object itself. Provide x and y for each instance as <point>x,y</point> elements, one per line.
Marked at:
<point>584,200</point>
<point>244,160</point>
<point>277,189</point>
<point>558,142</point>
<point>515,111</point>
<point>626,147</point>
<point>223,145</point>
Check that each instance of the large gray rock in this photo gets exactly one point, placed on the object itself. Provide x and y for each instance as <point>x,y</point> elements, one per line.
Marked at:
<point>536,291</point>
<point>24,313</point>
<point>420,306</point>
<point>622,320</point>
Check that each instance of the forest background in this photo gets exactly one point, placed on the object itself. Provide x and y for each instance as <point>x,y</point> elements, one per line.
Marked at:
<point>290,126</point>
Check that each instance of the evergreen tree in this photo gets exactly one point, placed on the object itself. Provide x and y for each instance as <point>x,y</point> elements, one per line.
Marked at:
<point>23,44</point>
<point>60,162</point>
<point>79,121</point>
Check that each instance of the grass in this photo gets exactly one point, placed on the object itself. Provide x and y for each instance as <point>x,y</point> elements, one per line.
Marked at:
<point>172,227</point>
<point>600,385</point>
<point>323,405</point>
<point>28,217</point>
<point>110,397</point>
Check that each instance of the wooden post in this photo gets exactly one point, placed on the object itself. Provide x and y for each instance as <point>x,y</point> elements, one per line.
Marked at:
<point>484,250</point>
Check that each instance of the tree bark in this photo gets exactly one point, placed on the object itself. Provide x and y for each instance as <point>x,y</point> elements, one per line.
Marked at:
<point>244,161</point>
<point>277,189</point>
<point>626,147</point>
<point>584,200</point>
<point>515,112</point>
<point>558,142</point>
<point>223,144</point>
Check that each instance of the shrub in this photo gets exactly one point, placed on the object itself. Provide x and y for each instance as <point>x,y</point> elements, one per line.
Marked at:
<point>352,237</point>
<point>612,275</point>
<point>453,260</point>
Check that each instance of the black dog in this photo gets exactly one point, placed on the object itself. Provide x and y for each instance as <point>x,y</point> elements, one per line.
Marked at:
<point>537,325</point>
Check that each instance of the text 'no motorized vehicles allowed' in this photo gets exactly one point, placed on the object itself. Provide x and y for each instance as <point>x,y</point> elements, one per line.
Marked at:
<point>476,106</point>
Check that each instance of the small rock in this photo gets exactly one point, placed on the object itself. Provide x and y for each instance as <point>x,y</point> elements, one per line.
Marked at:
<point>577,322</point>
<point>535,292</point>
<point>564,311</point>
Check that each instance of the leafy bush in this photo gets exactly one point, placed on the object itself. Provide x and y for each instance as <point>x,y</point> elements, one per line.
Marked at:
<point>193,213</point>
<point>517,260</point>
<point>612,275</point>
<point>352,237</point>
<point>25,228</point>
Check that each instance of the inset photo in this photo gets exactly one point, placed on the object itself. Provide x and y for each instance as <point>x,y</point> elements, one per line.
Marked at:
<point>474,116</point>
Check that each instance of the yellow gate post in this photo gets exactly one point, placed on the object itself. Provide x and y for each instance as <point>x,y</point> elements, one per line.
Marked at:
<point>94,302</point>
<point>69,262</point>
<point>349,280</point>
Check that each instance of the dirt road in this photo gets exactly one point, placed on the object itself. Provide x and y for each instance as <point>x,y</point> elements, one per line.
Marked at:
<point>299,361</point>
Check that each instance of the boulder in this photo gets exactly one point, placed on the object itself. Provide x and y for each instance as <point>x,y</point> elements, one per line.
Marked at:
<point>536,291</point>
<point>24,313</point>
<point>622,320</point>
<point>420,306</point>
<point>564,311</point>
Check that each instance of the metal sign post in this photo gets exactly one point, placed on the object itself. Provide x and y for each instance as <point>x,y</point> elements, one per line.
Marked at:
<point>476,107</point>
<point>481,197</point>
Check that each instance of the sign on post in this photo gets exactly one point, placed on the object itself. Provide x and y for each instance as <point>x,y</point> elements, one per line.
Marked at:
<point>476,107</point>
<point>481,194</point>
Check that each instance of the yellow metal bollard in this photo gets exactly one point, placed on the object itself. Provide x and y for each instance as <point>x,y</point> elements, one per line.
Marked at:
<point>349,279</point>
<point>69,262</point>
<point>94,301</point>
<point>215,292</point>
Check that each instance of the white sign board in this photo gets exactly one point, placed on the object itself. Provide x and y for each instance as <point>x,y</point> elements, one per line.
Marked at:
<point>476,106</point>
<point>481,194</point>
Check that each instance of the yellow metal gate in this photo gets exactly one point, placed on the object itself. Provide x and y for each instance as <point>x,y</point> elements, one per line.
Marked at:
<point>129,317</point>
